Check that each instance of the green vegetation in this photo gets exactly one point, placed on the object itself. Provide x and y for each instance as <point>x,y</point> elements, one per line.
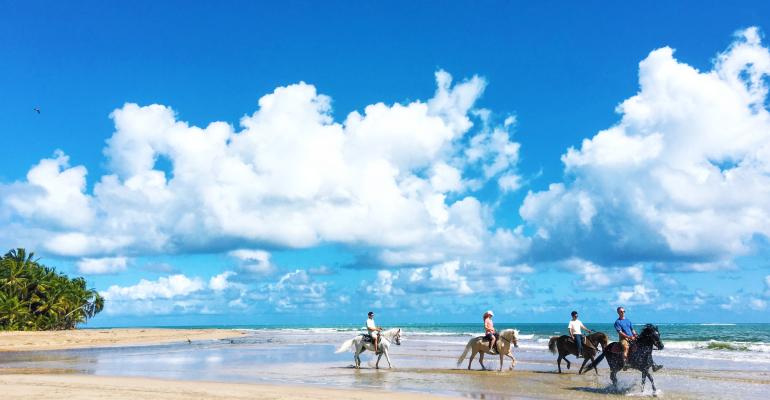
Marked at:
<point>35,297</point>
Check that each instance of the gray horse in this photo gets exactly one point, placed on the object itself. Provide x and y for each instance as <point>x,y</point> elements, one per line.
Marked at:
<point>508,338</point>
<point>359,346</point>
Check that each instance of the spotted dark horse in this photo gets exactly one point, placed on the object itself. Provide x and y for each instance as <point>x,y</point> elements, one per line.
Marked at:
<point>639,355</point>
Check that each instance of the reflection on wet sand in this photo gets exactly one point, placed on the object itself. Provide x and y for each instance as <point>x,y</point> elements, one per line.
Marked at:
<point>423,367</point>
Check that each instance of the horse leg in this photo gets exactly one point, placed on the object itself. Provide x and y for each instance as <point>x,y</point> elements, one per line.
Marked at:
<point>387,357</point>
<point>473,355</point>
<point>585,360</point>
<point>356,359</point>
<point>481,361</point>
<point>569,364</point>
<point>513,360</point>
<point>614,378</point>
<point>377,364</point>
<point>644,378</point>
<point>558,362</point>
<point>652,382</point>
<point>593,363</point>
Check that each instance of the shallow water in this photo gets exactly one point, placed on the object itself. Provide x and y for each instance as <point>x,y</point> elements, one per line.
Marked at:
<point>425,363</point>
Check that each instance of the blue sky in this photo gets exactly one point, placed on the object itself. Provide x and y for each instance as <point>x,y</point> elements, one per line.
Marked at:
<point>429,161</point>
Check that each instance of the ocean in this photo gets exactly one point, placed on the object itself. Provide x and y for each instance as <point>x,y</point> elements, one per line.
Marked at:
<point>708,341</point>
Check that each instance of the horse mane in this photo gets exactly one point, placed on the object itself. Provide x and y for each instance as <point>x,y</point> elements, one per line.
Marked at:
<point>390,332</point>
<point>514,332</point>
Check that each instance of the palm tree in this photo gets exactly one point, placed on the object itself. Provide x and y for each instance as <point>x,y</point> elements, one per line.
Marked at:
<point>36,297</point>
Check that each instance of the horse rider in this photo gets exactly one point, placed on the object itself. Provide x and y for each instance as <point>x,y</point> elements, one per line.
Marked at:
<point>627,334</point>
<point>576,334</point>
<point>489,329</point>
<point>374,332</point>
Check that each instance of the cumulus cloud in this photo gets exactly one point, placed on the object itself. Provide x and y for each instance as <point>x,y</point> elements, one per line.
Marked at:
<point>163,288</point>
<point>449,279</point>
<point>396,177</point>
<point>639,294</point>
<point>220,282</point>
<point>682,177</point>
<point>98,266</point>
<point>254,261</point>
<point>297,289</point>
<point>595,277</point>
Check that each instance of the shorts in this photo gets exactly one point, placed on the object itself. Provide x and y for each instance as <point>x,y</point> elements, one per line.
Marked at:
<point>624,344</point>
<point>490,335</point>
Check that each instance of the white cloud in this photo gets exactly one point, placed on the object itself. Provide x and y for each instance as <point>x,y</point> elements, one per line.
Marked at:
<point>297,290</point>
<point>255,261</point>
<point>53,194</point>
<point>291,177</point>
<point>682,177</point>
<point>107,265</point>
<point>639,294</point>
<point>595,277</point>
<point>757,304</point>
<point>220,282</point>
<point>164,288</point>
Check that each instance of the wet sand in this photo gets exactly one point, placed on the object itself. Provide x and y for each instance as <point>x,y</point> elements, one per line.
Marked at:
<point>303,364</point>
<point>82,387</point>
<point>91,338</point>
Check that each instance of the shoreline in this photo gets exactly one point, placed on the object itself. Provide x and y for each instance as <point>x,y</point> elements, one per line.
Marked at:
<point>86,387</point>
<point>13,341</point>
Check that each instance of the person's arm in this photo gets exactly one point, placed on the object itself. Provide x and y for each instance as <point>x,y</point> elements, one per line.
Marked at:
<point>584,327</point>
<point>571,331</point>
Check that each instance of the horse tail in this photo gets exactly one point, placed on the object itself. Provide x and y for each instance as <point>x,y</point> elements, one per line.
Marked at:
<point>346,346</point>
<point>465,353</point>
<point>552,344</point>
<point>594,364</point>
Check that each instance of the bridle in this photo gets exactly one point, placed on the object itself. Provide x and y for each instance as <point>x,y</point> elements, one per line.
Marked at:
<point>515,343</point>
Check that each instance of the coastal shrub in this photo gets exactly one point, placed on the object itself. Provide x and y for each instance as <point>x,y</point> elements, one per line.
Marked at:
<point>35,297</point>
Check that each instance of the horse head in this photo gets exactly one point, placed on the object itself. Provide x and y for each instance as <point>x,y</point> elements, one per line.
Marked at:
<point>599,338</point>
<point>650,333</point>
<point>393,335</point>
<point>511,335</point>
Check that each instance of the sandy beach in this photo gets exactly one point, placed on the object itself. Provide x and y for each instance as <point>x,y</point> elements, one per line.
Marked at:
<point>301,363</point>
<point>89,338</point>
<point>76,387</point>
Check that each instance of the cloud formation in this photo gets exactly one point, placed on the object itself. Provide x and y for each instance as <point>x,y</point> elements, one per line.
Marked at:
<point>98,266</point>
<point>392,177</point>
<point>682,177</point>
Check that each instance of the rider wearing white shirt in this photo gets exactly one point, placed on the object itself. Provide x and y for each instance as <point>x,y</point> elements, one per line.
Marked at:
<point>374,331</point>
<point>574,331</point>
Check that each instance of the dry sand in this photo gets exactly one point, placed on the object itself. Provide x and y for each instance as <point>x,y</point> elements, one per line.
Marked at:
<point>85,338</point>
<point>76,387</point>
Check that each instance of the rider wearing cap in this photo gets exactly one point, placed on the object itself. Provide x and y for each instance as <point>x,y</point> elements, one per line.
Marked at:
<point>374,331</point>
<point>489,328</point>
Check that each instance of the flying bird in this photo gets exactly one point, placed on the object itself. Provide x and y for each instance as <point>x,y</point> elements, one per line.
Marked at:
<point>37,110</point>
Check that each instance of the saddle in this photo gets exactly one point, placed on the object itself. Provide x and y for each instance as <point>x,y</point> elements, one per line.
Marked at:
<point>367,338</point>
<point>616,348</point>
<point>483,340</point>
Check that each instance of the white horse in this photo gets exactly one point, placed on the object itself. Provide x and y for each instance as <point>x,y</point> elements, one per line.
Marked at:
<point>386,338</point>
<point>507,339</point>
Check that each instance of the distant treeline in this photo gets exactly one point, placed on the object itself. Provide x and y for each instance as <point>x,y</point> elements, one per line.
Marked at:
<point>35,297</point>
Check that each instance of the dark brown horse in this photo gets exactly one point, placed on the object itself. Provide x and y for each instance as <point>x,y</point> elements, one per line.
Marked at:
<point>565,346</point>
<point>639,356</point>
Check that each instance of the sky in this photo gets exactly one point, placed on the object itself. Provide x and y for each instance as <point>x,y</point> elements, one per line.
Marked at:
<point>306,162</point>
